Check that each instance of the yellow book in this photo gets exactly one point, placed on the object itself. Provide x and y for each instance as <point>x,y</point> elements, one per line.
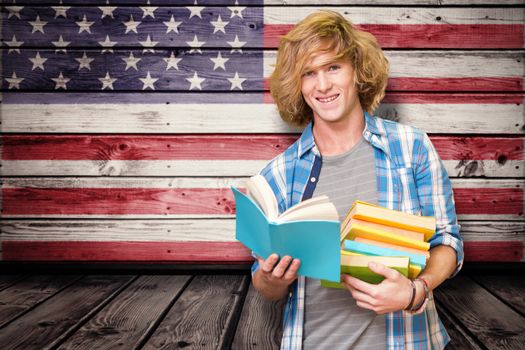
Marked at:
<point>360,229</point>
<point>395,230</point>
<point>374,213</point>
<point>413,269</point>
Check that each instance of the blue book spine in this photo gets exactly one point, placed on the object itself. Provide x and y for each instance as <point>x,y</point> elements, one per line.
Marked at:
<point>369,249</point>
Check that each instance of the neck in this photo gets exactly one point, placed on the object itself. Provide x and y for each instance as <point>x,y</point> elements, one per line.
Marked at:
<point>334,138</point>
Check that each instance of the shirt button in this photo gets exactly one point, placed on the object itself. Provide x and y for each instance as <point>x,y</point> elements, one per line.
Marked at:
<point>313,179</point>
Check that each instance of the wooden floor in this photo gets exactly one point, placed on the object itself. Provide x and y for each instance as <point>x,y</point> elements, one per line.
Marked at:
<point>481,310</point>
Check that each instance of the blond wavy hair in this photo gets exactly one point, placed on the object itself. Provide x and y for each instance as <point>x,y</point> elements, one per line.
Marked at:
<point>326,32</point>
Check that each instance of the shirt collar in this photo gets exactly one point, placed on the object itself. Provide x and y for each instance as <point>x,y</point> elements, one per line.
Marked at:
<point>307,142</point>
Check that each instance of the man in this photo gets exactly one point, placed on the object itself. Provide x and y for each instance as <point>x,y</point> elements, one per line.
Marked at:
<point>329,76</point>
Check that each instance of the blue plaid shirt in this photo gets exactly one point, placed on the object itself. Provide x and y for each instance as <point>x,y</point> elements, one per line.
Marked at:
<point>411,178</point>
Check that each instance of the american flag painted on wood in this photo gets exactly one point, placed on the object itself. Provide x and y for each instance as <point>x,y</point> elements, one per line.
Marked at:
<point>124,123</point>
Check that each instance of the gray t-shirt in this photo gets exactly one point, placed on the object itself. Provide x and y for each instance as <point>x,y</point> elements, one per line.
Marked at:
<point>332,318</point>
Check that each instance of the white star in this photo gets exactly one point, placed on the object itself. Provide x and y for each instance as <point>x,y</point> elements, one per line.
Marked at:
<point>131,25</point>
<point>14,11</point>
<point>131,61</point>
<point>107,82</point>
<point>236,44</point>
<point>195,11</point>
<point>84,25</point>
<point>236,10</point>
<point>148,11</point>
<point>219,61</point>
<point>60,10</point>
<point>38,62</point>
<point>107,11</point>
<point>195,81</point>
<point>195,43</point>
<point>61,44</point>
<point>148,43</point>
<point>236,81</point>
<point>172,61</point>
<point>219,25</point>
<point>172,25</point>
<point>107,43</point>
<point>14,43</point>
<point>148,82</point>
<point>38,25</point>
<point>14,82</point>
<point>84,61</point>
<point>60,82</point>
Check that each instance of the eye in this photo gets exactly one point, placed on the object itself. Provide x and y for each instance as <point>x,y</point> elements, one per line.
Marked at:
<point>334,67</point>
<point>308,73</point>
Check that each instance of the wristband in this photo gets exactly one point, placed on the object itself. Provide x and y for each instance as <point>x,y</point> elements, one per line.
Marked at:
<point>420,307</point>
<point>412,296</point>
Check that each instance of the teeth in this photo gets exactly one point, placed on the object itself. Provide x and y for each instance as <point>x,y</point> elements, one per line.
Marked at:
<point>328,99</point>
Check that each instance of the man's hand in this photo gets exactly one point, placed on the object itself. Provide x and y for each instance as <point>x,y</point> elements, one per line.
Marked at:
<point>392,294</point>
<point>274,276</point>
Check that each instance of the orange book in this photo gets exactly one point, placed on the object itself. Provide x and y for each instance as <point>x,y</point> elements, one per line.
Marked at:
<point>396,230</point>
<point>393,246</point>
<point>377,214</point>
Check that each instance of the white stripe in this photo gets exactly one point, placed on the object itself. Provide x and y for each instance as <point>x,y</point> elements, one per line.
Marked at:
<point>401,15</point>
<point>442,64</point>
<point>244,118</point>
<point>119,230</point>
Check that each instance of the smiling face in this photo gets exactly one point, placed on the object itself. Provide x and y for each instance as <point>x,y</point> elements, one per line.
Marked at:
<point>328,88</point>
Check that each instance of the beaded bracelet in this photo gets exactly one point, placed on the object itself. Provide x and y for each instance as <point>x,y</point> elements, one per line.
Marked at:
<point>412,296</point>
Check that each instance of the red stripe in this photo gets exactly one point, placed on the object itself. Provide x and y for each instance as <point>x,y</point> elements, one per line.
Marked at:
<point>198,252</point>
<point>212,147</point>
<point>205,201</point>
<point>448,98</point>
<point>489,201</point>
<point>125,147</point>
<point>506,251</point>
<point>184,252</point>
<point>444,84</point>
<point>439,36</point>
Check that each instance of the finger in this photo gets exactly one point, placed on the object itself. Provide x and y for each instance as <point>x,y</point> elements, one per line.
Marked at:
<point>269,263</point>
<point>363,297</point>
<point>383,270</point>
<point>357,284</point>
<point>364,305</point>
<point>291,273</point>
<point>280,269</point>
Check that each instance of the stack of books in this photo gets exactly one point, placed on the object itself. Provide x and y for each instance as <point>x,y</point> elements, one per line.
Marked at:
<point>396,239</point>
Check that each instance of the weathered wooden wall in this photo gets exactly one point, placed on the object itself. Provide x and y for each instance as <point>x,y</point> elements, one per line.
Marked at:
<point>114,150</point>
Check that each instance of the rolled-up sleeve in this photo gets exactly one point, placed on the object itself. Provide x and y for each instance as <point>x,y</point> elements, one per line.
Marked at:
<point>436,198</point>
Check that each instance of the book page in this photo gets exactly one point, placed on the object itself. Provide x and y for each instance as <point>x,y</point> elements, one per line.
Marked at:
<point>317,210</point>
<point>261,192</point>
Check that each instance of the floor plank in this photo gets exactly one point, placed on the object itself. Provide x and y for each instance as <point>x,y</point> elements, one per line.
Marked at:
<point>8,280</point>
<point>510,288</point>
<point>495,325</point>
<point>260,326</point>
<point>56,317</point>
<point>22,296</point>
<point>460,339</point>
<point>128,317</point>
<point>202,315</point>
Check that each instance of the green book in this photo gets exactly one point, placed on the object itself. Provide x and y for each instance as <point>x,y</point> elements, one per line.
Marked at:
<point>357,266</point>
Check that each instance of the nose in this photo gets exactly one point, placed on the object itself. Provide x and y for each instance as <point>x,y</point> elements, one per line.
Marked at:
<point>323,82</point>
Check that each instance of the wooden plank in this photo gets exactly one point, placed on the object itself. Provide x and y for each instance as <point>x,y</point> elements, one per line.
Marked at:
<point>25,295</point>
<point>472,305</point>
<point>203,316</point>
<point>218,155</point>
<point>508,287</point>
<point>460,338</point>
<point>8,280</point>
<point>162,118</point>
<point>58,316</point>
<point>128,318</point>
<point>205,197</point>
<point>412,70</point>
<point>260,325</point>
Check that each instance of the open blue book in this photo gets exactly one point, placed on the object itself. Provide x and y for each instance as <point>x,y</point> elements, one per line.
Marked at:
<point>308,231</point>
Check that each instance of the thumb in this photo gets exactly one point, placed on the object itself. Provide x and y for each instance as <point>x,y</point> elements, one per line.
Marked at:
<point>382,270</point>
